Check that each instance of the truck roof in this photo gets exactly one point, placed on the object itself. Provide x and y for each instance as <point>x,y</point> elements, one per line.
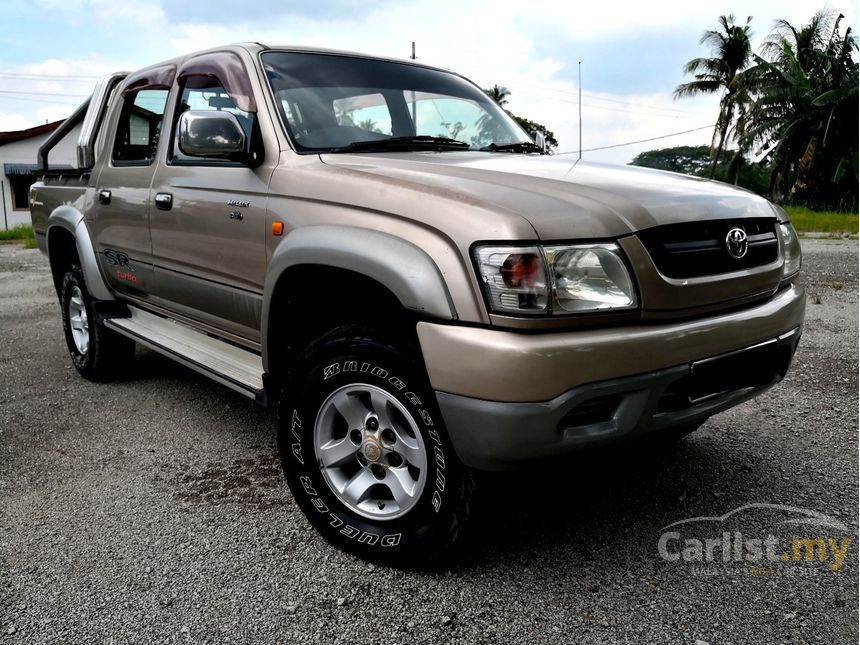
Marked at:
<point>256,47</point>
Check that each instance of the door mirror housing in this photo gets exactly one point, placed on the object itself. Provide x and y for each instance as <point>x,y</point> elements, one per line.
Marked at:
<point>212,134</point>
<point>540,140</point>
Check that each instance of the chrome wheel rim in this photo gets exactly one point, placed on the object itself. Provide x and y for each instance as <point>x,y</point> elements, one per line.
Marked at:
<point>78,321</point>
<point>370,452</point>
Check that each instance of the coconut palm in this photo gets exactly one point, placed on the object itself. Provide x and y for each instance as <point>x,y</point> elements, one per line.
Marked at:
<point>802,112</point>
<point>731,49</point>
<point>499,94</point>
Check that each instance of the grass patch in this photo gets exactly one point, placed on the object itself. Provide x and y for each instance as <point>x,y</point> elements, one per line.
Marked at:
<point>21,233</point>
<point>807,221</point>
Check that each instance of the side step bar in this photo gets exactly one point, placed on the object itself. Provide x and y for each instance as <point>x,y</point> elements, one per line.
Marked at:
<point>237,368</point>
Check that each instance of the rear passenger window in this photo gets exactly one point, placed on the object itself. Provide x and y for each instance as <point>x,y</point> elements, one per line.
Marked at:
<point>139,128</point>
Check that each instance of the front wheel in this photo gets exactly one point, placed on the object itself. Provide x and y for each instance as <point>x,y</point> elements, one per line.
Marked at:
<point>365,451</point>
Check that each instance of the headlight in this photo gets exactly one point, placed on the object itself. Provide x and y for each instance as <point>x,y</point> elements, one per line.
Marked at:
<point>588,278</point>
<point>555,279</point>
<point>790,249</point>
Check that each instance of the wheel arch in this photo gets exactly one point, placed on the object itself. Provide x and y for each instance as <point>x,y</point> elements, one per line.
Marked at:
<point>68,239</point>
<point>366,267</point>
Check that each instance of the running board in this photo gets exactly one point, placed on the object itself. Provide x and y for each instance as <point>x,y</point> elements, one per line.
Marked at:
<point>238,369</point>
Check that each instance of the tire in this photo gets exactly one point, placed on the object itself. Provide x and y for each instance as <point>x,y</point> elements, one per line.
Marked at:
<point>356,492</point>
<point>99,354</point>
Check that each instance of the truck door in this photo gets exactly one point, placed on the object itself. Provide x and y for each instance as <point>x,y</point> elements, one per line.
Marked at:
<point>119,216</point>
<point>208,222</point>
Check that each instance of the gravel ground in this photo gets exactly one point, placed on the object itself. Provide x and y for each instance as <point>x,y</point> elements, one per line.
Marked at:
<point>154,510</point>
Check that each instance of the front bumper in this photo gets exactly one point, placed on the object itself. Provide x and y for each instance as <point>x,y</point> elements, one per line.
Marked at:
<point>508,397</point>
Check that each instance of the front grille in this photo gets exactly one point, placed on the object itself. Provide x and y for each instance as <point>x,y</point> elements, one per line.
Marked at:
<point>697,249</point>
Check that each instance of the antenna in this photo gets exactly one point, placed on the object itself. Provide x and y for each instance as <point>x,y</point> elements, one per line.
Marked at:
<point>579,63</point>
<point>414,103</point>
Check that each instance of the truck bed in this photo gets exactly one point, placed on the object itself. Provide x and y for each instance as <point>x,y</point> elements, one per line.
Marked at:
<point>53,190</point>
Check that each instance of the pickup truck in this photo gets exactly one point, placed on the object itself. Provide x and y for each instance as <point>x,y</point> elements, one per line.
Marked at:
<point>376,250</point>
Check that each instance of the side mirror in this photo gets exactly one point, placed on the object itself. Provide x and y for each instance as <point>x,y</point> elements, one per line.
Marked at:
<point>540,140</point>
<point>213,134</point>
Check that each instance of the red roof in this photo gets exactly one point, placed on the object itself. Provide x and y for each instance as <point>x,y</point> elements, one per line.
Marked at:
<point>18,135</point>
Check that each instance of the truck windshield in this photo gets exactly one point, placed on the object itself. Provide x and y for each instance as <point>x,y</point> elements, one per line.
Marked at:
<point>335,103</point>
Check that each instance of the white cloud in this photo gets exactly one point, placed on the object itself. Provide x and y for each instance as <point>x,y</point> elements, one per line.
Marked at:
<point>611,20</point>
<point>143,14</point>
<point>522,45</point>
<point>64,86</point>
<point>11,122</point>
<point>138,12</point>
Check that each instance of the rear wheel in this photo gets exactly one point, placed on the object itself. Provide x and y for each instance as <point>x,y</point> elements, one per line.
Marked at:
<point>98,353</point>
<point>365,451</point>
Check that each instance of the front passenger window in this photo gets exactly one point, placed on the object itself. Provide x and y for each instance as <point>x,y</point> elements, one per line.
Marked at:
<point>139,128</point>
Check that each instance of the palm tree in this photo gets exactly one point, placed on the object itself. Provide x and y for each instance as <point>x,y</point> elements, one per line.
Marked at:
<point>731,49</point>
<point>499,94</point>
<point>802,113</point>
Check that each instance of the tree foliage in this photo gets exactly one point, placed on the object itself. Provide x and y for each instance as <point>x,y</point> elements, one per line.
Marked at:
<point>731,49</point>
<point>533,126</point>
<point>500,94</point>
<point>802,112</point>
<point>793,106</point>
<point>696,160</point>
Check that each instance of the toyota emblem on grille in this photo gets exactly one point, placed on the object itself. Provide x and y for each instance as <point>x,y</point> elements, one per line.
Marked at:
<point>737,243</point>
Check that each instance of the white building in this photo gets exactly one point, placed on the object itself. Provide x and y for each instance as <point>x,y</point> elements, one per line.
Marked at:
<point>18,159</point>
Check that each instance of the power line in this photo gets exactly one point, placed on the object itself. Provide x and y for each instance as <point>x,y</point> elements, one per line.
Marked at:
<point>57,94</point>
<point>32,100</point>
<point>597,97</point>
<point>611,109</point>
<point>52,77</point>
<point>630,143</point>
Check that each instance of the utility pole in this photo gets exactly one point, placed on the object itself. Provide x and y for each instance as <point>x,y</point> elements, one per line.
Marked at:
<point>579,63</point>
<point>3,201</point>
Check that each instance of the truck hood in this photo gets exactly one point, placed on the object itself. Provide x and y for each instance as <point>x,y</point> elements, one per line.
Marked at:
<point>560,197</point>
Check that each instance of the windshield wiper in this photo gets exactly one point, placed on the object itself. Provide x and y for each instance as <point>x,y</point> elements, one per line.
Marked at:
<point>520,146</point>
<point>421,142</point>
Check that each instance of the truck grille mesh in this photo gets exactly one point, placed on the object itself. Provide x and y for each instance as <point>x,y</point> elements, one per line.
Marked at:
<point>697,249</point>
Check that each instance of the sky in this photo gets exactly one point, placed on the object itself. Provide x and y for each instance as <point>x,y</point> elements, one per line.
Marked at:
<point>631,52</point>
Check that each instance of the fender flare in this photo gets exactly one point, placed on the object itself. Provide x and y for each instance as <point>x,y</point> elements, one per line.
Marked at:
<point>402,267</point>
<point>72,220</point>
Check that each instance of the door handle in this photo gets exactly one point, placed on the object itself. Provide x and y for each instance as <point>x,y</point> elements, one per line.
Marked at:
<point>104,197</point>
<point>163,201</point>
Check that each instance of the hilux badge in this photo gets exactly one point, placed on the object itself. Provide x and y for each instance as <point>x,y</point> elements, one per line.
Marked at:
<point>737,243</point>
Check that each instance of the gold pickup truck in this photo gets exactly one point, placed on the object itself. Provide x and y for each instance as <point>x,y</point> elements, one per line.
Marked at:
<point>376,250</point>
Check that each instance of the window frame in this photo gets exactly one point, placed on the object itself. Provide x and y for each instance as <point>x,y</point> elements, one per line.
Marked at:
<point>128,99</point>
<point>255,138</point>
<point>286,129</point>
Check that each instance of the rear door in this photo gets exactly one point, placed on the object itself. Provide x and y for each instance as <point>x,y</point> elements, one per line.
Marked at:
<point>208,225</point>
<point>119,216</point>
